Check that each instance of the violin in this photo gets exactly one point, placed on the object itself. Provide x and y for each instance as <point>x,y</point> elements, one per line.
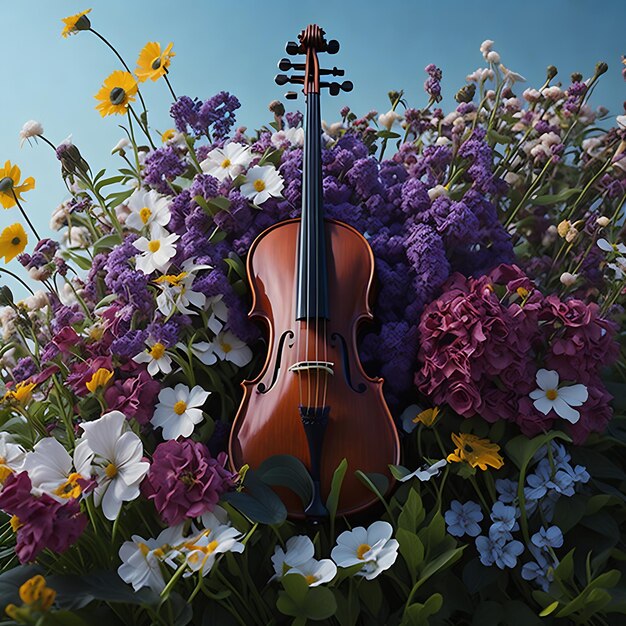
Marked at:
<point>310,280</point>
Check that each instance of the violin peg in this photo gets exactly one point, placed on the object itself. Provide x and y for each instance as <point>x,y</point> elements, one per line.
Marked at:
<point>281,79</point>
<point>334,89</point>
<point>291,95</point>
<point>347,85</point>
<point>292,48</point>
<point>284,65</point>
<point>332,47</point>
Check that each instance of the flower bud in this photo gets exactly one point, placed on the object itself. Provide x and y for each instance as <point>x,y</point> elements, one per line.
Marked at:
<point>277,108</point>
<point>576,77</point>
<point>601,68</point>
<point>394,96</point>
<point>6,296</point>
<point>466,93</point>
<point>551,72</point>
<point>568,279</point>
<point>603,221</point>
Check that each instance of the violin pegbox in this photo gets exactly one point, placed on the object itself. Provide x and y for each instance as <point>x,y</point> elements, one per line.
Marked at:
<point>311,41</point>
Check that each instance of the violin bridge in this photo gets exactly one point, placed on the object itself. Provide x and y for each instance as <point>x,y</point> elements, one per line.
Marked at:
<point>326,366</point>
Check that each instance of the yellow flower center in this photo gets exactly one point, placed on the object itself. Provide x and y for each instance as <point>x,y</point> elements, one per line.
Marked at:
<point>15,523</point>
<point>110,470</point>
<point>159,553</point>
<point>259,184</point>
<point>153,246</point>
<point>226,163</point>
<point>143,548</point>
<point>310,579</point>
<point>552,394</point>
<point>172,279</point>
<point>145,214</point>
<point>521,292</point>
<point>35,593</point>
<point>70,488</point>
<point>5,470</point>
<point>226,347</point>
<point>180,407</point>
<point>211,547</point>
<point>362,550</point>
<point>157,351</point>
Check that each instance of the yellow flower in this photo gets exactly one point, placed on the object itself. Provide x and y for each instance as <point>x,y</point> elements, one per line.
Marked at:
<point>118,90</point>
<point>427,417</point>
<point>475,451</point>
<point>77,22</point>
<point>99,379</point>
<point>10,184</point>
<point>168,134</point>
<point>13,240</point>
<point>171,279</point>
<point>152,63</point>
<point>35,596</point>
<point>22,392</point>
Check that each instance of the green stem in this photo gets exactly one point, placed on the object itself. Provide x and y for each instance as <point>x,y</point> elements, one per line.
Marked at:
<point>169,85</point>
<point>21,208</point>
<point>18,279</point>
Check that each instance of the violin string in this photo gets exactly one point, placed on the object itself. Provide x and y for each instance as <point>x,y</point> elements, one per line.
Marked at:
<point>308,256</point>
<point>318,253</point>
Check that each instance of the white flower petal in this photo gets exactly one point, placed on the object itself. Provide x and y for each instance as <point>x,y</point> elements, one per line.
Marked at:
<point>547,379</point>
<point>565,411</point>
<point>544,405</point>
<point>574,395</point>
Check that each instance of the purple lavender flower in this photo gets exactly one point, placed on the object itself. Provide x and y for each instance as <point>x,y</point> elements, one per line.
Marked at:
<point>432,86</point>
<point>163,165</point>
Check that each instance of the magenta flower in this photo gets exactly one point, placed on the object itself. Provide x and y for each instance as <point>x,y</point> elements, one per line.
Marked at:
<point>82,372</point>
<point>134,396</point>
<point>185,481</point>
<point>41,521</point>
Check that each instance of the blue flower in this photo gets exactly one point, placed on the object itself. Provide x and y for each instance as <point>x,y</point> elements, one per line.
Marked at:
<point>503,518</point>
<point>507,490</point>
<point>552,537</point>
<point>541,570</point>
<point>463,519</point>
<point>498,551</point>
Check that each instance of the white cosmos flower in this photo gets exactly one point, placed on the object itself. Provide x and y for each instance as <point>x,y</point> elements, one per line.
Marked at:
<point>117,461</point>
<point>607,246</point>
<point>262,182</point>
<point>228,347</point>
<point>177,411</point>
<point>157,252</point>
<point>373,547</point>
<point>202,551</point>
<point>149,210</point>
<point>299,550</point>
<point>290,136</point>
<point>156,357</point>
<point>550,396</point>
<point>30,129</point>
<point>51,469</point>
<point>176,292</point>
<point>619,267</point>
<point>219,313</point>
<point>142,558</point>
<point>426,472</point>
<point>121,145</point>
<point>231,160</point>
<point>315,572</point>
<point>11,456</point>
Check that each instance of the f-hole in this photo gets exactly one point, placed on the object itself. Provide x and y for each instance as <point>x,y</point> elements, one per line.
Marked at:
<point>361,387</point>
<point>288,334</point>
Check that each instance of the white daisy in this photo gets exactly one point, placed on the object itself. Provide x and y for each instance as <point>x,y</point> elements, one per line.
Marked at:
<point>426,472</point>
<point>231,160</point>
<point>149,210</point>
<point>372,547</point>
<point>619,267</point>
<point>550,396</point>
<point>177,411</point>
<point>204,351</point>
<point>142,558</point>
<point>262,182</point>
<point>117,461</point>
<point>11,456</point>
<point>605,245</point>
<point>157,253</point>
<point>176,292</point>
<point>219,313</point>
<point>298,551</point>
<point>156,357</point>
<point>289,136</point>
<point>315,572</point>
<point>51,469</point>
<point>228,347</point>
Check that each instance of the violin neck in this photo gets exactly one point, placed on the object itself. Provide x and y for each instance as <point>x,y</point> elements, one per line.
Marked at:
<point>312,283</point>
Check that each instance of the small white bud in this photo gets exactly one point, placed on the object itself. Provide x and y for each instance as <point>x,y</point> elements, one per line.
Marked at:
<point>603,221</point>
<point>568,279</point>
<point>436,191</point>
<point>493,57</point>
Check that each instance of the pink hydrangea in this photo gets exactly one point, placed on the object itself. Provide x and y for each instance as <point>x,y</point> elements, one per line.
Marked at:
<point>185,481</point>
<point>484,339</point>
<point>42,522</point>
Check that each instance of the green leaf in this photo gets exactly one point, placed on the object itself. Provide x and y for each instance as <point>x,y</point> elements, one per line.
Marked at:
<point>235,263</point>
<point>412,514</point>
<point>258,502</point>
<point>107,242</point>
<point>411,549</point>
<point>494,137</point>
<point>521,449</point>
<point>300,600</point>
<point>417,614</point>
<point>565,568</point>
<point>285,470</point>
<point>387,134</point>
<point>296,587</point>
<point>82,262</point>
<point>555,198</point>
<point>371,595</point>
<point>108,181</point>
<point>62,618</point>
<point>549,609</point>
<point>377,483</point>
<point>332,502</point>
<point>444,560</point>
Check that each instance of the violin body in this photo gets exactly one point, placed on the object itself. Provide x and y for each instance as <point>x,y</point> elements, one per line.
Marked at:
<point>359,426</point>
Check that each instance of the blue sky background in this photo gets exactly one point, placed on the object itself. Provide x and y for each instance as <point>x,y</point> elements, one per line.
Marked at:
<point>235,45</point>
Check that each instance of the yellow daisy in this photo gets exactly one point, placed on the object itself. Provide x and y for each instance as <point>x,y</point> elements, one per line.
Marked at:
<point>21,394</point>
<point>152,63</point>
<point>118,90</point>
<point>170,133</point>
<point>99,379</point>
<point>13,240</point>
<point>427,417</point>
<point>10,184</point>
<point>475,451</point>
<point>77,22</point>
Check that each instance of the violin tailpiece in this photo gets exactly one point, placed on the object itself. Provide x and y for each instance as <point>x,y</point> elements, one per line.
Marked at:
<point>315,420</point>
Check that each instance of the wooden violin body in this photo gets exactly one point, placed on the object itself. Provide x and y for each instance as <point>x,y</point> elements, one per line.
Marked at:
<point>360,427</point>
